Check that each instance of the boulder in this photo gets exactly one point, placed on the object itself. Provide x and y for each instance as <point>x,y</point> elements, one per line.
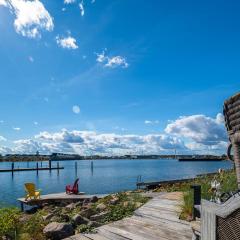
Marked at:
<point>138,204</point>
<point>94,199</point>
<point>94,224</point>
<point>70,206</point>
<point>101,207</point>
<point>114,201</point>
<point>87,213</point>
<point>57,231</point>
<point>64,217</point>
<point>78,220</point>
<point>98,216</point>
<point>78,204</point>
<point>48,217</point>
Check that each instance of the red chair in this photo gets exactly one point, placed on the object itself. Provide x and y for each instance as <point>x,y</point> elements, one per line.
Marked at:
<point>72,188</point>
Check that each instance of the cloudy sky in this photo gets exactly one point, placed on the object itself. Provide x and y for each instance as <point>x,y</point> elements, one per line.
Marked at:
<point>114,76</point>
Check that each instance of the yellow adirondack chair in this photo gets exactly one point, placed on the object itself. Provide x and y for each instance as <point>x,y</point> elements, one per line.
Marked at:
<point>31,192</point>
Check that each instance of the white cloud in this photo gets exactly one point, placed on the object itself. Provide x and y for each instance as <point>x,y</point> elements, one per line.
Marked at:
<point>3,3</point>
<point>69,1</point>
<point>111,62</point>
<point>76,109</point>
<point>82,142</point>
<point>67,42</point>
<point>81,6</point>
<point>117,61</point>
<point>199,128</point>
<point>16,128</point>
<point>30,17</point>
<point>3,138</point>
<point>101,57</point>
<point>188,134</point>
<point>149,122</point>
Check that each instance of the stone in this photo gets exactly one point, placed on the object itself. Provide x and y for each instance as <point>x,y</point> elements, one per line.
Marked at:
<point>98,216</point>
<point>138,204</point>
<point>78,219</point>
<point>94,199</point>
<point>70,206</point>
<point>87,213</point>
<point>48,217</point>
<point>78,204</point>
<point>94,224</point>
<point>101,207</point>
<point>86,201</point>
<point>114,201</point>
<point>64,217</point>
<point>57,231</point>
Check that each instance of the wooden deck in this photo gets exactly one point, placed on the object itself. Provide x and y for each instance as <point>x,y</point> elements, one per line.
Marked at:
<point>156,220</point>
<point>57,197</point>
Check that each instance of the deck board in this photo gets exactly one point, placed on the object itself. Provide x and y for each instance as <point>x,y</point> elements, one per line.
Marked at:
<point>59,197</point>
<point>157,219</point>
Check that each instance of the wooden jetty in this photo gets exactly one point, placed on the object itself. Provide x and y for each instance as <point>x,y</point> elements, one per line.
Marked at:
<point>57,198</point>
<point>157,219</point>
<point>37,168</point>
<point>30,169</point>
<point>151,185</point>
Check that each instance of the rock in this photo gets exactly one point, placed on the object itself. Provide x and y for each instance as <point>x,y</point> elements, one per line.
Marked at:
<point>78,219</point>
<point>87,213</point>
<point>94,199</point>
<point>98,216</point>
<point>101,207</point>
<point>114,201</point>
<point>64,217</point>
<point>78,204</point>
<point>94,224</point>
<point>57,231</point>
<point>48,217</point>
<point>125,204</point>
<point>86,201</point>
<point>70,206</point>
<point>138,204</point>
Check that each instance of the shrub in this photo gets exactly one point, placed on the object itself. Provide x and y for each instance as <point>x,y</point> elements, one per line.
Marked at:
<point>9,222</point>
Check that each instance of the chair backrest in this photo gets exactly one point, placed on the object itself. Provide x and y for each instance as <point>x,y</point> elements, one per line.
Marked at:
<point>30,188</point>
<point>76,183</point>
<point>231,112</point>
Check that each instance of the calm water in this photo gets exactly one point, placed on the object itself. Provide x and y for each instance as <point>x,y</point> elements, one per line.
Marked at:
<point>107,175</point>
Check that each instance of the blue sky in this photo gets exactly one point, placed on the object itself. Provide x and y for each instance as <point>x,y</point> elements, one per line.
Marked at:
<point>129,66</point>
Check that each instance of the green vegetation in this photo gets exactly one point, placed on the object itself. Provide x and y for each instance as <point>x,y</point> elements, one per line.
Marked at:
<point>228,183</point>
<point>9,222</point>
<point>22,226</point>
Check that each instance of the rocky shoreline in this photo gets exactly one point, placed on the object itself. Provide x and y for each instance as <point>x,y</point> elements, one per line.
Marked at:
<point>62,220</point>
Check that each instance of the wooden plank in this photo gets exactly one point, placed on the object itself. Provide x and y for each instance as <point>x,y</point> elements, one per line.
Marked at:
<point>95,236</point>
<point>157,219</point>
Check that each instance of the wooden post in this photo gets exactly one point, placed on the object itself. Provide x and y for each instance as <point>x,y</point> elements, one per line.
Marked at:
<point>76,168</point>
<point>196,200</point>
<point>58,168</point>
<point>12,168</point>
<point>37,167</point>
<point>50,165</point>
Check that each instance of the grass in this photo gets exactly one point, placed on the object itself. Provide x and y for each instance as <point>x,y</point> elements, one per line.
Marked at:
<point>21,226</point>
<point>228,183</point>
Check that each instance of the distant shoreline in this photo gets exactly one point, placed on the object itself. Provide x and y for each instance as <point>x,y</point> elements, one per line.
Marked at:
<point>66,157</point>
